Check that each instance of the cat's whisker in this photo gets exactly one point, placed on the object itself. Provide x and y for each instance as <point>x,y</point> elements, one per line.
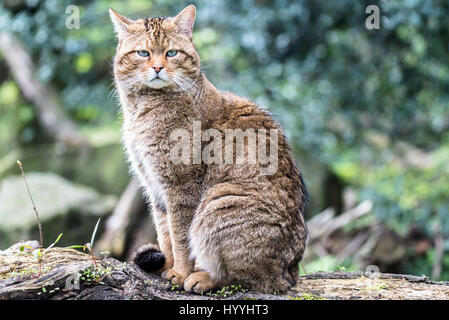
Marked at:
<point>112,91</point>
<point>129,82</point>
<point>177,83</point>
<point>204,67</point>
<point>185,87</point>
<point>185,84</point>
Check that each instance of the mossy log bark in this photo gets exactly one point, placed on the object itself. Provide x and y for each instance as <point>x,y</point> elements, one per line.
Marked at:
<point>114,280</point>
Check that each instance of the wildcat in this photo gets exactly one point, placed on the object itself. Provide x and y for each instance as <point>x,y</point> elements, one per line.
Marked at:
<point>217,223</point>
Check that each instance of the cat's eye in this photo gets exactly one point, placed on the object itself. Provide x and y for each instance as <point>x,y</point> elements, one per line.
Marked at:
<point>172,53</point>
<point>143,53</point>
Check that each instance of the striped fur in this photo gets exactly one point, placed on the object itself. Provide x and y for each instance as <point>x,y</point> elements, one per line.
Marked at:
<point>235,225</point>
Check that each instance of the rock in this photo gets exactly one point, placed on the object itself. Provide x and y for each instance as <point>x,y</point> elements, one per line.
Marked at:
<point>63,208</point>
<point>101,166</point>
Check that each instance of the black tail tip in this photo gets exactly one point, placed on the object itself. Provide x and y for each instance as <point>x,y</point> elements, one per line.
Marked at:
<point>149,258</point>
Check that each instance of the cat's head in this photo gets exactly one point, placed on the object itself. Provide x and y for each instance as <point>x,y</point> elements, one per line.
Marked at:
<point>156,52</point>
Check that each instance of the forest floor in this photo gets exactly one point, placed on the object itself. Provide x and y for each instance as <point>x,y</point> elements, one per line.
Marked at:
<point>71,274</point>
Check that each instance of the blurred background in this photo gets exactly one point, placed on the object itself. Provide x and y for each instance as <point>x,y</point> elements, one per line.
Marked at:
<point>367,112</point>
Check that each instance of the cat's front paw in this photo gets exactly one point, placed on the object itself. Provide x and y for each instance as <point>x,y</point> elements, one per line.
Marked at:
<point>174,277</point>
<point>199,282</point>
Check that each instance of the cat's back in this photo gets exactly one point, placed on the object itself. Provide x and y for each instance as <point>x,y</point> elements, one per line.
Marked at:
<point>284,178</point>
<point>240,113</point>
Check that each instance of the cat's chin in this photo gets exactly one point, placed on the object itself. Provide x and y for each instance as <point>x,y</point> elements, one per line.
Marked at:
<point>157,84</point>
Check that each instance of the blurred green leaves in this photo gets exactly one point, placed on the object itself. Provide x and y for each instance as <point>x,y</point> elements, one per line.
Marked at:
<point>83,62</point>
<point>9,93</point>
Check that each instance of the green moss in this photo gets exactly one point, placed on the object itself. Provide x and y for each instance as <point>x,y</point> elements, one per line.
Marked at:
<point>228,291</point>
<point>306,296</point>
<point>95,275</point>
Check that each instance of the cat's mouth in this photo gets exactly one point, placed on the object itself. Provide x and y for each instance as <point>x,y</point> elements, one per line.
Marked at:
<point>157,83</point>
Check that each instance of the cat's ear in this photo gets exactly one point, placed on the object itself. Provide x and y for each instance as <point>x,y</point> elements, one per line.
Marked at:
<point>185,19</point>
<point>121,23</point>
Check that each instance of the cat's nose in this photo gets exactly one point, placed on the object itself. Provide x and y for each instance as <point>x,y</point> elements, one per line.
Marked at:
<point>158,68</point>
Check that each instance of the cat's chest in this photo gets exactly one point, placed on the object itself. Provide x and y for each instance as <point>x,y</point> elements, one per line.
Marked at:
<point>149,143</point>
<point>148,160</point>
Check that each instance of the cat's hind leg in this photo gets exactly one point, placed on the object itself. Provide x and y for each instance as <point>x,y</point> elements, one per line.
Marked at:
<point>241,240</point>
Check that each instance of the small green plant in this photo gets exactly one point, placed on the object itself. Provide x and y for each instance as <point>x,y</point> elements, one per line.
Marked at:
<point>174,287</point>
<point>306,296</point>
<point>39,254</point>
<point>95,275</point>
<point>19,163</point>
<point>341,268</point>
<point>228,291</point>
<point>27,272</point>
<point>90,245</point>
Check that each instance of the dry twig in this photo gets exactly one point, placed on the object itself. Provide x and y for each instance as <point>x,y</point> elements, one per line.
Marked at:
<point>32,201</point>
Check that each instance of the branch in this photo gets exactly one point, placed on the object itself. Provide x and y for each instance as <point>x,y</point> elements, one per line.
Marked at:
<point>114,280</point>
<point>127,208</point>
<point>439,253</point>
<point>45,100</point>
<point>324,224</point>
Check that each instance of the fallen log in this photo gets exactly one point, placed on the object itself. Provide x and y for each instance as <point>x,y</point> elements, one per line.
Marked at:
<point>70,275</point>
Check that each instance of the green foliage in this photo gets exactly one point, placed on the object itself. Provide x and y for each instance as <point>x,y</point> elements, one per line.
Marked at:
<point>423,265</point>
